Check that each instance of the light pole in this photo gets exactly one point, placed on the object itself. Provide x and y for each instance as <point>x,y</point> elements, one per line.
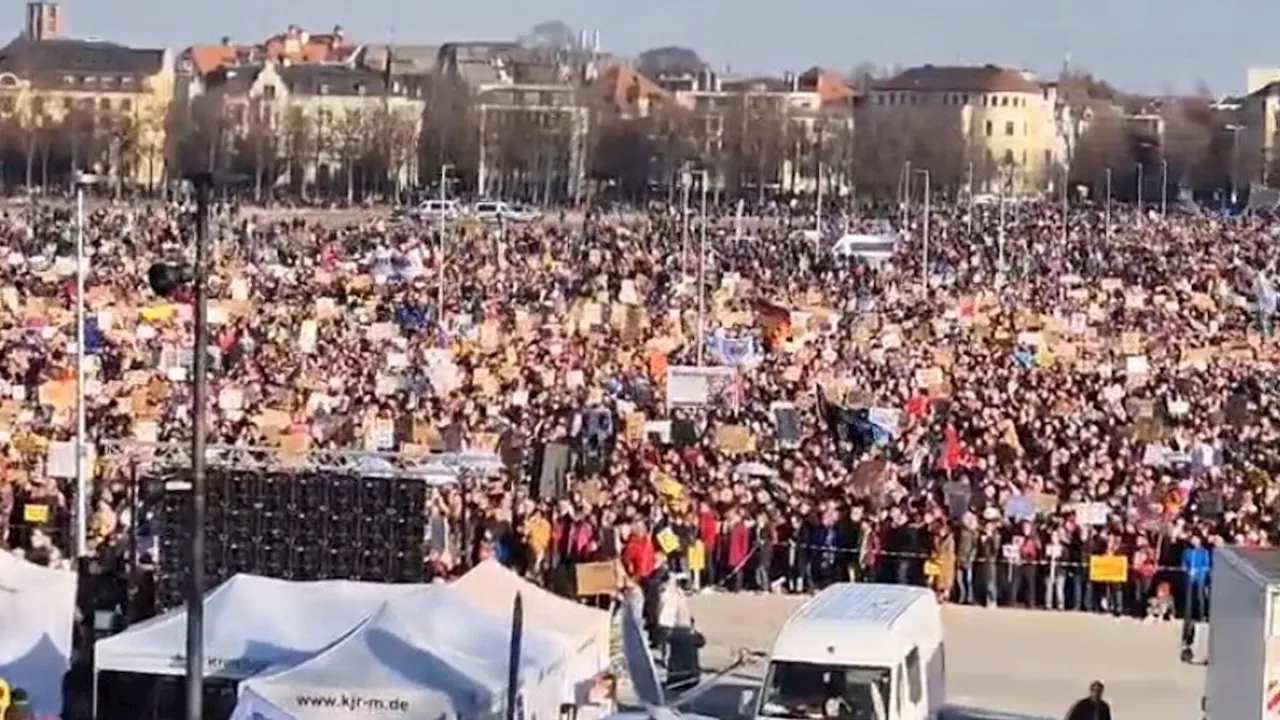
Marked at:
<point>1235,158</point>
<point>969,191</point>
<point>1164,186</point>
<point>1107,213</point>
<point>702,271</point>
<point>83,181</point>
<point>1139,166</point>
<point>924,244</point>
<point>686,183</point>
<point>906,193</point>
<point>444,182</point>
<point>1000,225</point>
<point>1066,208</point>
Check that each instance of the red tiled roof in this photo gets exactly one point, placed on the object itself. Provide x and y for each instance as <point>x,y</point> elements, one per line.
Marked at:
<point>831,88</point>
<point>622,87</point>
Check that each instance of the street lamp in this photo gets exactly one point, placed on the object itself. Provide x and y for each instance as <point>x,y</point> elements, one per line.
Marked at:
<point>82,181</point>
<point>1107,214</point>
<point>686,184</point>
<point>444,182</point>
<point>1139,166</point>
<point>1235,157</point>
<point>1164,186</point>
<point>924,245</point>
<point>702,267</point>
<point>165,280</point>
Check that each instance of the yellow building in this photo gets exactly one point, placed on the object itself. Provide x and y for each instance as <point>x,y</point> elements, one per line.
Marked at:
<point>328,127</point>
<point>1003,123</point>
<point>84,104</point>
<point>1254,136</point>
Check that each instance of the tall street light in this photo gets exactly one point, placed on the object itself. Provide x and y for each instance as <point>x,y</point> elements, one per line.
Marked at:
<point>924,245</point>
<point>702,271</point>
<point>1235,158</point>
<point>1107,214</point>
<point>83,181</point>
<point>440,217</point>
<point>1164,186</point>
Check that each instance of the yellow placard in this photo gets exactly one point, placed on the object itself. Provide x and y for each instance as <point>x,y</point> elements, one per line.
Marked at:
<point>35,514</point>
<point>932,568</point>
<point>157,312</point>
<point>6,696</point>
<point>697,556</point>
<point>667,540</point>
<point>1108,568</point>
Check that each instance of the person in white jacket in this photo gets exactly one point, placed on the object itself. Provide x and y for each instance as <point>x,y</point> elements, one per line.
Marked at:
<point>673,612</point>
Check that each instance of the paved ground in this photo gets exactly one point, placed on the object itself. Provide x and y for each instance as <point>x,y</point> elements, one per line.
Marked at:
<point>1014,661</point>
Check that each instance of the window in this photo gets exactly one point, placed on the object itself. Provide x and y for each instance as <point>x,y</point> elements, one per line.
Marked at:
<point>104,105</point>
<point>1004,101</point>
<point>37,105</point>
<point>989,128</point>
<point>1008,128</point>
<point>1008,157</point>
<point>915,683</point>
<point>7,104</point>
<point>269,92</point>
<point>126,105</point>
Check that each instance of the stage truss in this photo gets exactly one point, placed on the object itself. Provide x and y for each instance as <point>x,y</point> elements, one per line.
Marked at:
<point>439,468</point>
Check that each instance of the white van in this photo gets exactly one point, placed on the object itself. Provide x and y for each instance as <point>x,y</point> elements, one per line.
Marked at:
<point>858,651</point>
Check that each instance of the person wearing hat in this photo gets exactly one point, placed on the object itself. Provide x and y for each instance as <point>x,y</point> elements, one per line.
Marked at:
<point>1092,707</point>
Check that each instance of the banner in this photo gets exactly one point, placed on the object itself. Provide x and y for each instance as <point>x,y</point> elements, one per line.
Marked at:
<point>699,386</point>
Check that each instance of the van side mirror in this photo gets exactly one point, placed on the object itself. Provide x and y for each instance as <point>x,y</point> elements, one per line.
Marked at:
<point>747,703</point>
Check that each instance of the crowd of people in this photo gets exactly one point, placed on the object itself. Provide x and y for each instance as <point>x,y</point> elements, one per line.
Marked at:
<point>1017,408</point>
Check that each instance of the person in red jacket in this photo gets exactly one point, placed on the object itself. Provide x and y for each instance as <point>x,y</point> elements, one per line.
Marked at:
<point>639,558</point>
<point>739,544</point>
<point>709,534</point>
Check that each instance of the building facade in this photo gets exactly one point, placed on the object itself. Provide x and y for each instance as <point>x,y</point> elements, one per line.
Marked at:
<point>1008,125</point>
<point>85,105</point>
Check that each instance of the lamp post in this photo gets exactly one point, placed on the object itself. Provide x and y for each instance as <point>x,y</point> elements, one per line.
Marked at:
<point>1107,212</point>
<point>702,271</point>
<point>1066,208</point>
<point>200,389</point>
<point>1164,186</point>
<point>924,244</point>
<point>906,193</point>
<point>1139,166</point>
<point>444,182</point>
<point>83,181</point>
<point>686,184</point>
<point>1235,159</point>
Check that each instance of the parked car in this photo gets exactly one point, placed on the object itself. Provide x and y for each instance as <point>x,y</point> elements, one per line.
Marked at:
<point>495,210</point>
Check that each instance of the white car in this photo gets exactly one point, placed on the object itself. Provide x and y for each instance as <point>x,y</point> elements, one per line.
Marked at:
<point>436,210</point>
<point>495,210</point>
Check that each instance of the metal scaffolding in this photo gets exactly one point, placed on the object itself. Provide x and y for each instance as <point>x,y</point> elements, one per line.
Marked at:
<point>432,466</point>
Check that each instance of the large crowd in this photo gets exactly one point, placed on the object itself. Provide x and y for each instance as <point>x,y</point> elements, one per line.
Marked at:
<point>1047,416</point>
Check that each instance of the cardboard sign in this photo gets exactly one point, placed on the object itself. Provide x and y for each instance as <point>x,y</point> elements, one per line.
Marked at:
<point>595,578</point>
<point>734,439</point>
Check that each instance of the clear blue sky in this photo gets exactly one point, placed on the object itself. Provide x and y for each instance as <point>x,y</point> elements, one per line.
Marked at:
<point>1139,44</point>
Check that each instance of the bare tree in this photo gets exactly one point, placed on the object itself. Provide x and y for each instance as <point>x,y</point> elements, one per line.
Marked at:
<point>1103,145</point>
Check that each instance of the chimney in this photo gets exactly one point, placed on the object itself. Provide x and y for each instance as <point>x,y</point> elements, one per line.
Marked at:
<point>226,41</point>
<point>595,43</point>
<point>44,21</point>
<point>338,36</point>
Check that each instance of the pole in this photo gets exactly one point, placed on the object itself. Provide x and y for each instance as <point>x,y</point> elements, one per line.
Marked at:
<point>444,179</point>
<point>906,193</point>
<point>1140,178</point>
<point>924,246</point>
<point>82,483</point>
<point>515,652</point>
<point>1107,215</point>
<point>702,274</point>
<point>1000,232</point>
<point>685,182</point>
<point>969,185</point>
<point>199,359</point>
<point>737,227</point>
<point>1066,208</point>
<point>1164,186</point>
<point>817,214</point>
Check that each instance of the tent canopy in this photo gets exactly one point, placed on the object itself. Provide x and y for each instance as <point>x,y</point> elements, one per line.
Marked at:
<point>37,608</point>
<point>251,624</point>
<point>494,587</point>
<point>432,653</point>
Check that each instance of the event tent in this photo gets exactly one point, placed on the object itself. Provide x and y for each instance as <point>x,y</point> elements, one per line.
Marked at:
<point>37,611</point>
<point>251,624</point>
<point>583,630</point>
<point>432,654</point>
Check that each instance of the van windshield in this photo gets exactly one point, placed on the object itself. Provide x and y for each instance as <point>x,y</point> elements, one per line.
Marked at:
<point>811,691</point>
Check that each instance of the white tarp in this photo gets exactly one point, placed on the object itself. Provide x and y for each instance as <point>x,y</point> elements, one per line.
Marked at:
<point>432,654</point>
<point>872,248</point>
<point>249,706</point>
<point>251,624</point>
<point>583,630</point>
<point>691,385</point>
<point>37,613</point>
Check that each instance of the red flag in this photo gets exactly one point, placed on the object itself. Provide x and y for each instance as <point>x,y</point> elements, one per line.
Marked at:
<point>953,452</point>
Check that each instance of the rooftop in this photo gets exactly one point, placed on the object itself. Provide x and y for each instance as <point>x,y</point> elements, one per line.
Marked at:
<point>957,78</point>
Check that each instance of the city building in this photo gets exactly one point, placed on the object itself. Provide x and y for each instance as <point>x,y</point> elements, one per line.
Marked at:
<point>335,128</point>
<point>1009,123</point>
<point>85,104</point>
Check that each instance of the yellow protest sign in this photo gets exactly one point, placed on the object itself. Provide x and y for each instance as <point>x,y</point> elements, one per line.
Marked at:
<point>35,514</point>
<point>1108,568</point>
<point>667,540</point>
<point>697,557</point>
<point>6,696</point>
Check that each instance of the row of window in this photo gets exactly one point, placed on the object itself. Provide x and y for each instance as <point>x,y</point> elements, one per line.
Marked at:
<point>8,104</point>
<point>951,99</point>
<point>112,81</point>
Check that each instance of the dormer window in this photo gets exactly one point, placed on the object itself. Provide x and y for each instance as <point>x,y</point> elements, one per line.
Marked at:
<point>324,88</point>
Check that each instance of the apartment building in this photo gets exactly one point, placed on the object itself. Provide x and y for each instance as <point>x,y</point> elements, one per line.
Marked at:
<point>1008,122</point>
<point>85,104</point>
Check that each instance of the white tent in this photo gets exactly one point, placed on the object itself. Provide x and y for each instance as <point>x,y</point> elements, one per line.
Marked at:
<point>37,610</point>
<point>432,654</point>
<point>583,630</point>
<point>251,624</point>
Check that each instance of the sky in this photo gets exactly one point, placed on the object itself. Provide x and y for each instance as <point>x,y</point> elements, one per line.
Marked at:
<point>1139,45</point>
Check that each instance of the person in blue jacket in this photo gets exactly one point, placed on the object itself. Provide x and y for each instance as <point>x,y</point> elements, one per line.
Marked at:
<point>1196,562</point>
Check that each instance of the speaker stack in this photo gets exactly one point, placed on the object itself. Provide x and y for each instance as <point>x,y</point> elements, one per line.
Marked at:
<point>295,526</point>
